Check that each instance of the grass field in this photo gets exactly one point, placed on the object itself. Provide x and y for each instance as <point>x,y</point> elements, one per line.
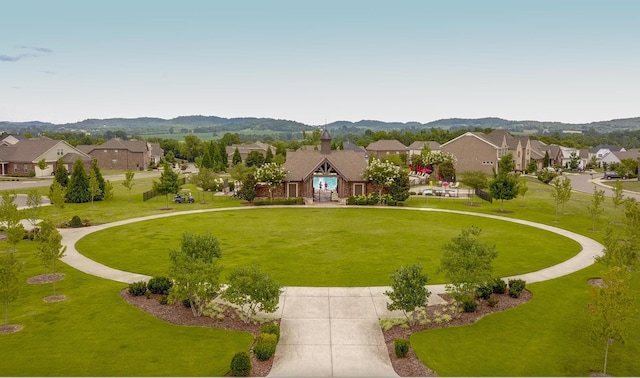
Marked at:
<point>325,247</point>
<point>96,333</point>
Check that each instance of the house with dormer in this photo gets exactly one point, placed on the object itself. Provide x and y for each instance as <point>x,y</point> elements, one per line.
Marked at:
<point>20,156</point>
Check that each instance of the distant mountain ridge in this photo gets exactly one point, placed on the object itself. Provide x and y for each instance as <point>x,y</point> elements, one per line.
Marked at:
<point>199,123</point>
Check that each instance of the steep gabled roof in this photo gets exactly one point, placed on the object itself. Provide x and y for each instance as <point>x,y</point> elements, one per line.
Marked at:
<point>302,163</point>
<point>30,150</point>
<point>386,145</point>
<point>629,154</point>
<point>481,136</point>
<point>610,147</point>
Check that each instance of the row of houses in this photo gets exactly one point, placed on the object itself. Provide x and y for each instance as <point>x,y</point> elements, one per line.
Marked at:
<point>20,156</point>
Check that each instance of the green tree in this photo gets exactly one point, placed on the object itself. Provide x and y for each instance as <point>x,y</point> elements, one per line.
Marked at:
<point>50,248</point>
<point>108,190</point>
<point>253,291</point>
<point>574,160</point>
<point>271,174</point>
<point>128,182</point>
<point>523,188</point>
<point>561,193</point>
<point>34,207</point>
<point>399,189</point>
<point>477,180</point>
<point>78,189</point>
<point>254,159</point>
<point>61,175</point>
<point>595,207</point>
<point>248,188</point>
<point>57,195</point>
<point>237,158</point>
<point>467,262</point>
<point>10,218</point>
<point>94,186</point>
<point>268,158</point>
<point>206,179</point>
<point>380,173</point>
<point>612,309</point>
<point>408,291</point>
<point>504,185</point>
<point>10,282</point>
<point>168,183</point>
<point>42,165</point>
<point>100,180</point>
<point>195,271</point>
<point>617,198</point>
<point>547,160</point>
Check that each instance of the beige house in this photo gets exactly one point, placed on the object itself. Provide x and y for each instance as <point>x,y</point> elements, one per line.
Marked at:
<point>386,147</point>
<point>416,147</point>
<point>120,154</point>
<point>245,149</point>
<point>20,157</point>
<point>474,151</point>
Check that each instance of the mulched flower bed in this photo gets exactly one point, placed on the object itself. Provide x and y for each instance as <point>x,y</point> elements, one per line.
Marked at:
<point>177,313</point>
<point>410,365</point>
<point>45,278</point>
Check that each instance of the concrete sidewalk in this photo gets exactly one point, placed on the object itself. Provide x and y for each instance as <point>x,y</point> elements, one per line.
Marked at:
<point>333,331</point>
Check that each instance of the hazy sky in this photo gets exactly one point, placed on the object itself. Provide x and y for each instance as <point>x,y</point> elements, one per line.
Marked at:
<point>320,61</point>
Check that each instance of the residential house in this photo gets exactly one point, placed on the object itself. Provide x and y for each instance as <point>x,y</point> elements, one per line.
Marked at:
<point>325,173</point>
<point>120,154</point>
<point>20,157</point>
<point>604,153</point>
<point>618,156</point>
<point>416,147</point>
<point>386,147</point>
<point>246,148</point>
<point>474,151</point>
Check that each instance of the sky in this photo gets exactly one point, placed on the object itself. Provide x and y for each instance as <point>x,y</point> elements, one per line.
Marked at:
<point>317,62</point>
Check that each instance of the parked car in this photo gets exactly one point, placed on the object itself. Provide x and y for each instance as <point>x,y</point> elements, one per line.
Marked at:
<point>611,175</point>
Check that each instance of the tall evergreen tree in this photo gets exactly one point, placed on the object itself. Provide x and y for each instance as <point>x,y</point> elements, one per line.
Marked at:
<point>101,183</point>
<point>78,189</point>
<point>168,183</point>
<point>61,175</point>
<point>237,158</point>
<point>269,156</point>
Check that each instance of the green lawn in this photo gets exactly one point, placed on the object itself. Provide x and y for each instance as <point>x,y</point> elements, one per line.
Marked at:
<point>326,247</point>
<point>547,336</point>
<point>96,333</point>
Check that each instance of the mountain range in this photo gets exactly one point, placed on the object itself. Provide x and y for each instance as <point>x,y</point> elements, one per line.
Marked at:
<point>205,124</point>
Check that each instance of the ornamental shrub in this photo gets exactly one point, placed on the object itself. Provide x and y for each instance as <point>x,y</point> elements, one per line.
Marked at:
<point>273,329</point>
<point>265,346</point>
<point>499,286</point>
<point>241,365</point>
<point>516,287</point>
<point>159,285</point>
<point>469,304</point>
<point>138,288</point>
<point>401,347</point>
<point>492,302</point>
<point>76,222</point>
<point>485,292</point>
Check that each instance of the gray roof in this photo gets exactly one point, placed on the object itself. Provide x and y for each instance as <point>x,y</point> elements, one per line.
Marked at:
<point>116,144</point>
<point>386,145</point>
<point>29,150</point>
<point>302,163</point>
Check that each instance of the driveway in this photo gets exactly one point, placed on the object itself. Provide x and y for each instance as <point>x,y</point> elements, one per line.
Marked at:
<point>583,182</point>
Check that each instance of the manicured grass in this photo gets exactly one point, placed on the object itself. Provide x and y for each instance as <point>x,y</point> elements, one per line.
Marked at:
<point>546,337</point>
<point>326,247</point>
<point>96,333</point>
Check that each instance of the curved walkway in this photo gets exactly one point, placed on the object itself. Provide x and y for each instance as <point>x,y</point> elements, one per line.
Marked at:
<point>333,331</point>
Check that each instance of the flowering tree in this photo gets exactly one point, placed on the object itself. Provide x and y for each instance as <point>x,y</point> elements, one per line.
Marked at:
<point>436,158</point>
<point>272,174</point>
<point>381,173</point>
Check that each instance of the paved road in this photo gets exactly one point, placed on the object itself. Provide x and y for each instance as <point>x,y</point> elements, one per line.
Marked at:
<point>332,331</point>
<point>583,182</point>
